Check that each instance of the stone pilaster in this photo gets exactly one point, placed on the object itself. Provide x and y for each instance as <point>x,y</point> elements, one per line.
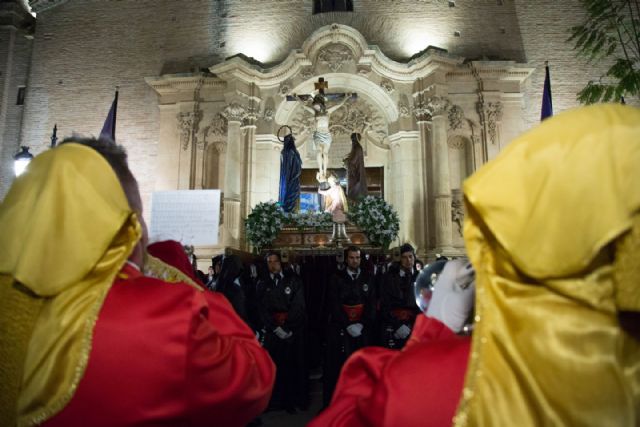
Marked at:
<point>426,151</point>
<point>438,107</point>
<point>234,156</point>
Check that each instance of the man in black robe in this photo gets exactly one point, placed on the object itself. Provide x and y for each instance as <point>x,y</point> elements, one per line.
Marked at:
<point>351,316</point>
<point>282,313</point>
<point>398,307</point>
<point>290,171</point>
<point>356,173</point>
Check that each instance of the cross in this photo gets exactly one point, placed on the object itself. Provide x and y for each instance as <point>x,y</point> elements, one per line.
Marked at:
<point>320,86</point>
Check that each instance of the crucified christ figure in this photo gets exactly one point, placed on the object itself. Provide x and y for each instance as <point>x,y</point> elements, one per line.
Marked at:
<point>321,134</point>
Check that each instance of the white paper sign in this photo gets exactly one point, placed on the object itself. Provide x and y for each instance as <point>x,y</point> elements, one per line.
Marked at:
<point>188,216</point>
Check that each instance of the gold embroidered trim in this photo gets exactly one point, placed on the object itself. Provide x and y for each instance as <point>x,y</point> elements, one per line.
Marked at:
<point>87,339</point>
<point>156,268</point>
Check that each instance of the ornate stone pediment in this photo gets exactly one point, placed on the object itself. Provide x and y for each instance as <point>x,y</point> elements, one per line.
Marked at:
<point>335,56</point>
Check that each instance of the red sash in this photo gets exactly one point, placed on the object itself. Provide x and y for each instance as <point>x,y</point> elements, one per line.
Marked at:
<point>403,314</point>
<point>353,312</point>
<point>280,317</point>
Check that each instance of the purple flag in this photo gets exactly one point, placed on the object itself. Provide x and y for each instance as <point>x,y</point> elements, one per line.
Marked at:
<point>547,105</point>
<point>109,127</point>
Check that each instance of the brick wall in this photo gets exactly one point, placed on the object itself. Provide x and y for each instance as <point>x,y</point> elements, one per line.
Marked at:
<point>84,48</point>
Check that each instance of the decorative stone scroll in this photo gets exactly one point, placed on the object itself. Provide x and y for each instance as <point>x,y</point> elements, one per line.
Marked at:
<point>216,132</point>
<point>387,85</point>
<point>494,115</point>
<point>186,123</point>
<point>457,210</point>
<point>456,117</point>
<point>285,88</point>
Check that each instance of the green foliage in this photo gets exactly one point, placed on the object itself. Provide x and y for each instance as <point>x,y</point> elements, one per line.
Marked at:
<point>611,29</point>
<point>267,219</point>
<point>310,220</point>
<point>377,219</point>
<point>263,223</point>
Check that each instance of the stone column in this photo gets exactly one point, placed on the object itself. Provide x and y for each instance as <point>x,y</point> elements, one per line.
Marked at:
<point>426,151</point>
<point>249,142</point>
<point>438,107</point>
<point>232,185</point>
<point>407,189</point>
<point>169,149</point>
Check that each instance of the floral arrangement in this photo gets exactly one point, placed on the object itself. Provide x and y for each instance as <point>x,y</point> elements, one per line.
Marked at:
<point>267,219</point>
<point>310,219</point>
<point>263,223</point>
<point>377,219</point>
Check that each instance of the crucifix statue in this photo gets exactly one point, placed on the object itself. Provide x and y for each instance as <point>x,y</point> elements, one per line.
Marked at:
<point>321,135</point>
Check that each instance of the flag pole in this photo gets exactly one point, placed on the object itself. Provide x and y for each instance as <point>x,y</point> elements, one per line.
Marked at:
<point>115,114</point>
<point>54,137</point>
<point>547,103</point>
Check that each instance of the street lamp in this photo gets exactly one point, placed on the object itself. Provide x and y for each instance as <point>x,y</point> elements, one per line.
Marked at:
<point>21,160</point>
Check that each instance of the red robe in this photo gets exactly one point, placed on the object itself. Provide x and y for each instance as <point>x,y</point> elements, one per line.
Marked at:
<point>168,354</point>
<point>418,386</point>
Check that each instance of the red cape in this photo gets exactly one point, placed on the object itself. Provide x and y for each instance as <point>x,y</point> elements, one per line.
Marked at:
<point>172,355</point>
<point>419,386</point>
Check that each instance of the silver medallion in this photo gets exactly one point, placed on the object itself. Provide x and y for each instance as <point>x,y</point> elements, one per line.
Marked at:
<point>287,290</point>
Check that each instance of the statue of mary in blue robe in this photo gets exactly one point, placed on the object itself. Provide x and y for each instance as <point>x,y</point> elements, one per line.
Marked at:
<point>290,170</point>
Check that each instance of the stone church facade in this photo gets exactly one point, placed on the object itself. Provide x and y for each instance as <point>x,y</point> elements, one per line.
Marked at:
<point>443,86</point>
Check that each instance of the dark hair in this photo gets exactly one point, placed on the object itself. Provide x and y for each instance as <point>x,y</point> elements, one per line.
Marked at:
<point>216,260</point>
<point>351,248</point>
<point>272,253</point>
<point>113,153</point>
<point>407,248</point>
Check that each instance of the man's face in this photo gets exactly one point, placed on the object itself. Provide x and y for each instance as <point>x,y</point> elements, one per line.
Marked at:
<point>217,268</point>
<point>353,260</point>
<point>273,264</point>
<point>210,271</point>
<point>407,260</point>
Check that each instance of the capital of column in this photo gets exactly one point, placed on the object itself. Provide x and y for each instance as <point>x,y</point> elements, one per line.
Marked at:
<point>234,112</point>
<point>427,108</point>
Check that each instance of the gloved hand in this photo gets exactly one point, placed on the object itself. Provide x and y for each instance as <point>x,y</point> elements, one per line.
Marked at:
<point>402,332</point>
<point>355,330</point>
<point>281,333</point>
<point>453,294</point>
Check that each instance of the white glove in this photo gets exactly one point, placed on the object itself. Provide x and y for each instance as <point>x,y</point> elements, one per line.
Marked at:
<point>453,294</point>
<point>402,332</point>
<point>355,330</point>
<point>281,333</point>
